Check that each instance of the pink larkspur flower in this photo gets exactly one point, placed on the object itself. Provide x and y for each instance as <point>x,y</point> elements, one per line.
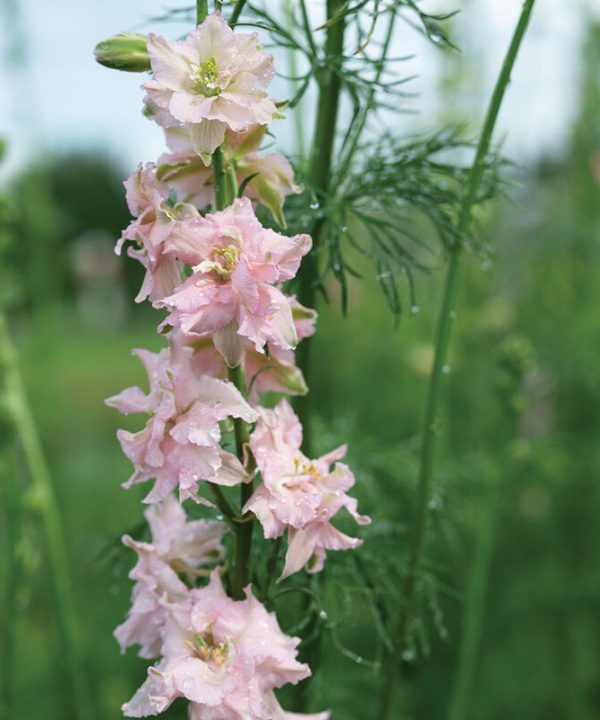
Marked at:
<point>275,371</point>
<point>155,219</point>
<point>178,547</point>
<point>231,292</point>
<point>299,494</point>
<point>224,656</point>
<point>180,443</point>
<point>213,80</point>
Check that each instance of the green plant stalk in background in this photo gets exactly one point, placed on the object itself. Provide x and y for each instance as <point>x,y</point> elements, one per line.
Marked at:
<point>12,573</point>
<point>18,409</point>
<point>474,609</point>
<point>433,408</point>
<point>319,175</point>
<point>236,12</point>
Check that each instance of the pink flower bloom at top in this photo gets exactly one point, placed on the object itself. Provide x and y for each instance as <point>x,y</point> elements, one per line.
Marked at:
<point>299,494</point>
<point>155,219</point>
<point>231,292</point>
<point>180,443</point>
<point>177,547</point>
<point>213,80</point>
<point>224,656</point>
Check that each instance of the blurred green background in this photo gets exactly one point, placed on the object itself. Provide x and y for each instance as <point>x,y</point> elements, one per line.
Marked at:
<point>509,601</point>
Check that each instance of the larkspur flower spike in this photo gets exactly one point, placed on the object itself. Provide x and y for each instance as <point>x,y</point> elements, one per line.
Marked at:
<point>220,276</point>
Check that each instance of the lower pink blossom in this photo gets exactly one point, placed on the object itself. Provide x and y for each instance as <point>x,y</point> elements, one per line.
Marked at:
<point>275,371</point>
<point>224,656</point>
<point>178,548</point>
<point>298,494</point>
<point>179,445</point>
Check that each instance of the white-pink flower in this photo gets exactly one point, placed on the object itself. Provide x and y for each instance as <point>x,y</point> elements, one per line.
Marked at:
<point>178,548</point>
<point>213,80</point>
<point>231,292</point>
<point>155,219</point>
<point>299,494</point>
<point>180,443</point>
<point>224,656</point>
<point>274,371</point>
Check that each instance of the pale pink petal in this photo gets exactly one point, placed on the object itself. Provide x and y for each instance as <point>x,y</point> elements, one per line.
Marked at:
<point>170,62</point>
<point>154,696</point>
<point>206,136</point>
<point>301,544</point>
<point>230,472</point>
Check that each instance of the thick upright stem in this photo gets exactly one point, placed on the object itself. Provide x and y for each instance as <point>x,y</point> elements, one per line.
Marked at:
<point>319,174</point>
<point>16,403</point>
<point>431,424</point>
<point>201,11</point>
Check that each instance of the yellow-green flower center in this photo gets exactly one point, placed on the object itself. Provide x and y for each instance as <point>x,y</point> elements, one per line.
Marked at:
<point>205,78</point>
<point>306,467</point>
<point>224,260</point>
<point>205,648</point>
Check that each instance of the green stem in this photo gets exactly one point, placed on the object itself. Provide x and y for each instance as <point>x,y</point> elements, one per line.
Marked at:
<point>319,175</point>
<point>12,510</point>
<point>16,402</point>
<point>431,424</point>
<point>218,162</point>
<point>474,609</point>
<point>223,505</point>
<point>243,531</point>
<point>231,183</point>
<point>271,567</point>
<point>307,29</point>
<point>236,12</point>
<point>201,11</point>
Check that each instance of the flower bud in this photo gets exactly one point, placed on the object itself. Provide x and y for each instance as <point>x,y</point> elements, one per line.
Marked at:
<point>124,51</point>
